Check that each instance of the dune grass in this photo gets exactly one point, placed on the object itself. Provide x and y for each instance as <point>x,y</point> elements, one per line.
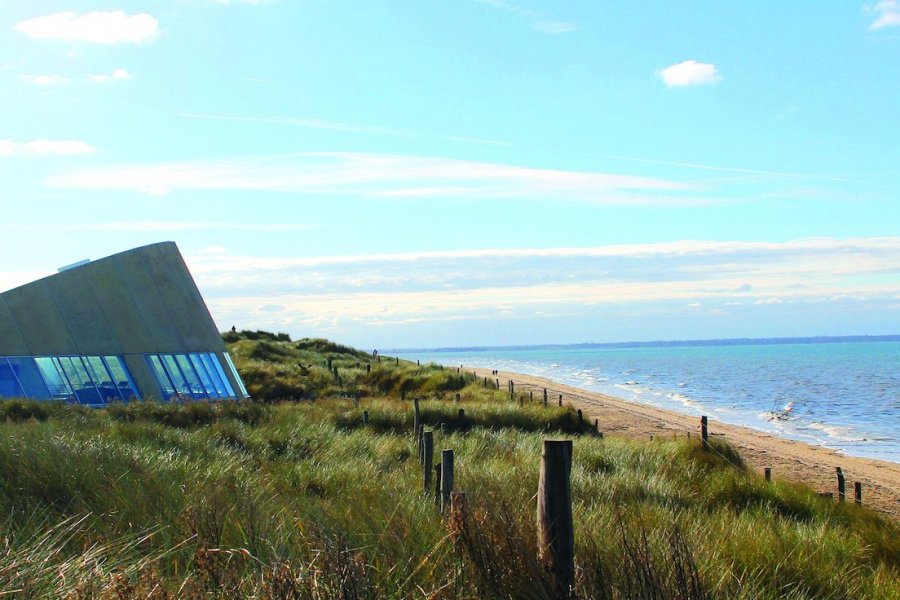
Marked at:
<point>301,500</point>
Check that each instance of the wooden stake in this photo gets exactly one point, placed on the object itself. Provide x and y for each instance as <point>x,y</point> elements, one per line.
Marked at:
<point>560,399</point>
<point>857,492</point>
<point>428,463</point>
<point>416,417</point>
<point>704,432</point>
<point>842,491</point>
<point>556,538</point>
<point>768,473</point>
<point>365,417</point>
<point>545,397</point>
<point>421,440</point>
<point>446,478</point>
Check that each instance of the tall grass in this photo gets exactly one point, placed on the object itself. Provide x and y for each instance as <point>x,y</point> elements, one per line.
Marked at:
<point>300,500</point>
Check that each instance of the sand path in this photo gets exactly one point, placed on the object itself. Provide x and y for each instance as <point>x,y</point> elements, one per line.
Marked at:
<point>790,460</point>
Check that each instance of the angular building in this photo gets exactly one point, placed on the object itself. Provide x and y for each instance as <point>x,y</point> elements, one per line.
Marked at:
<point>129,326</point>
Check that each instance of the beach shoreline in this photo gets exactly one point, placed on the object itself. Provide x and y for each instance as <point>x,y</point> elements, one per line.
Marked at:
<point>790,460</point>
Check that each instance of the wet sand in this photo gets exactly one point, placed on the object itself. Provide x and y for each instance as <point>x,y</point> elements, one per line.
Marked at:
<point>790,460</point>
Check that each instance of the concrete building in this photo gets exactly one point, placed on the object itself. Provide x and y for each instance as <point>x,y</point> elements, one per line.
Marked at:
<point>132,325</point>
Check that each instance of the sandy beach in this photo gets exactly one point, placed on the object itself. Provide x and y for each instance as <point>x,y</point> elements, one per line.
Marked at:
<point>790,460</point>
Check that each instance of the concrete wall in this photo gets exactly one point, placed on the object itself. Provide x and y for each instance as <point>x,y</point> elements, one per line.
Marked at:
<point>140,301</point>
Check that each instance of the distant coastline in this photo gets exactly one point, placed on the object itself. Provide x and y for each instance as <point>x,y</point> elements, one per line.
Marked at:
<point>665,343</point>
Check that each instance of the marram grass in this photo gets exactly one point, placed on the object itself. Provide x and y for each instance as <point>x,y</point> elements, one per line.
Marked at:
<point>301,500</point>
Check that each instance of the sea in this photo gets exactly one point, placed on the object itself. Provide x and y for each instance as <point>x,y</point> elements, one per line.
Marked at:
<point>841,395</point>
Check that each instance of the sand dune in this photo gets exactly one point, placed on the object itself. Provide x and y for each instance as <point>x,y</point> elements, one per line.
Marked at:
<point>789,460</point>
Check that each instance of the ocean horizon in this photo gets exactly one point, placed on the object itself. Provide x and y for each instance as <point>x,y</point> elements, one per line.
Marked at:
<point>842,393</point>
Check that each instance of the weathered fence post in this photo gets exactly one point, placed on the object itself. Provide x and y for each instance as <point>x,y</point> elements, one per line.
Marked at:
<point>446,478</point>
<point>531,395</point>
<point>365,417</point>
<point>485,383</point>
<point>428,463</point>
<point>556,538</point>
<point>596,425</point>
<point>842,491</point>
<point>580,416</point>
<point>368,367</point>
<point>545,397</point>
<point>704,432</point>
<point>421,446</point>
<point>461,414</point>
<point>768,473</point>
<point>437,484</point>
<point>857,492</point>
<point>560,399</point>
<point>457,397</point>
<point>416,417</point>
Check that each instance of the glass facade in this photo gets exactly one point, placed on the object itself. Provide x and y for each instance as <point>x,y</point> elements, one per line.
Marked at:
<point>88,380</point>
<point>194,375</point>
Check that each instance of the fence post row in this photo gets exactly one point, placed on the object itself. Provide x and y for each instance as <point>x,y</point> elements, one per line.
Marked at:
<point>556,538</point>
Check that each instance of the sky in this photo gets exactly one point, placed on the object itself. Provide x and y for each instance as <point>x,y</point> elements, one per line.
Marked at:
<point>468,172</point>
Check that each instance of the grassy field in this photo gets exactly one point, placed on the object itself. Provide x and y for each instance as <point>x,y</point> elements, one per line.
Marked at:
<point>296,498</point>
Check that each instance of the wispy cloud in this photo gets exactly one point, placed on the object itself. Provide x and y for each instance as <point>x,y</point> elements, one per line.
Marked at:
<point>301,122</point>
<point>117,75</point>
<point>888,14</point>
<point>105,28</point>
<point>329,125</point>
<point>44,79</point>
<point>535,18</point>
<point>153,226</point>
<point>319,292</point>
<point>688,73</point>
<point>45,147</point>
<point>380,175</point>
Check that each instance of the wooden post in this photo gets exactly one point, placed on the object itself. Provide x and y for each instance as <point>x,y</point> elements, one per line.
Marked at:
<point>768,473</point>
<point>842,491</point>
<point>531,395</point>
<point>704,432</point>
<point>485,383</point>
<point>457,397</point>
<point>556,538</point>
<point>857,492</point>
<point>560,399</point>
<point>580,416</point>
<point>428,463</point>
<point>597,425</point>
<point>498,383</point>
<point>421,439</point>
<point>416,417</point>
<point>446,478</point>
<point>545,397</point>
<point>437,484</point>
<point>365,417</point>
<point>461,414</point>
<point>368,367</point>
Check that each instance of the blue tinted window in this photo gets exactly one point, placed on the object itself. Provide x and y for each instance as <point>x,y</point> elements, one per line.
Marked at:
<point>57,383</point>
<point>9,384</point>
<point>215,372</point>
<point>30,380</point>
<point>162,377</point>
<point>200,368</point>
<point>222,376</point>
<point>78,377</point>
<point>175,374</point>
<point>237,376</point>
<point>195,384</point>
<point>102,378</point>
<point>121,377</point>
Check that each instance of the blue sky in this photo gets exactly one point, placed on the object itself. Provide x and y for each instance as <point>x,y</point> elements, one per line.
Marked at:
<point>468,172</point>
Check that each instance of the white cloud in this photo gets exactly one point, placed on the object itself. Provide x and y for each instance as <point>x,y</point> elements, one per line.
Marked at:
<point>45,148</point>
<point>96,28</point>
<point>888,12</point>
<point>536,19</point>
<point>152,226</point>
<point>117,75</point>
<point>382,175</point>
<point>689,72</point>
<point>44,79</point>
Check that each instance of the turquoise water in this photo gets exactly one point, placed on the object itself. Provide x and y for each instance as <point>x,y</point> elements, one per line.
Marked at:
<point>844,396</point>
